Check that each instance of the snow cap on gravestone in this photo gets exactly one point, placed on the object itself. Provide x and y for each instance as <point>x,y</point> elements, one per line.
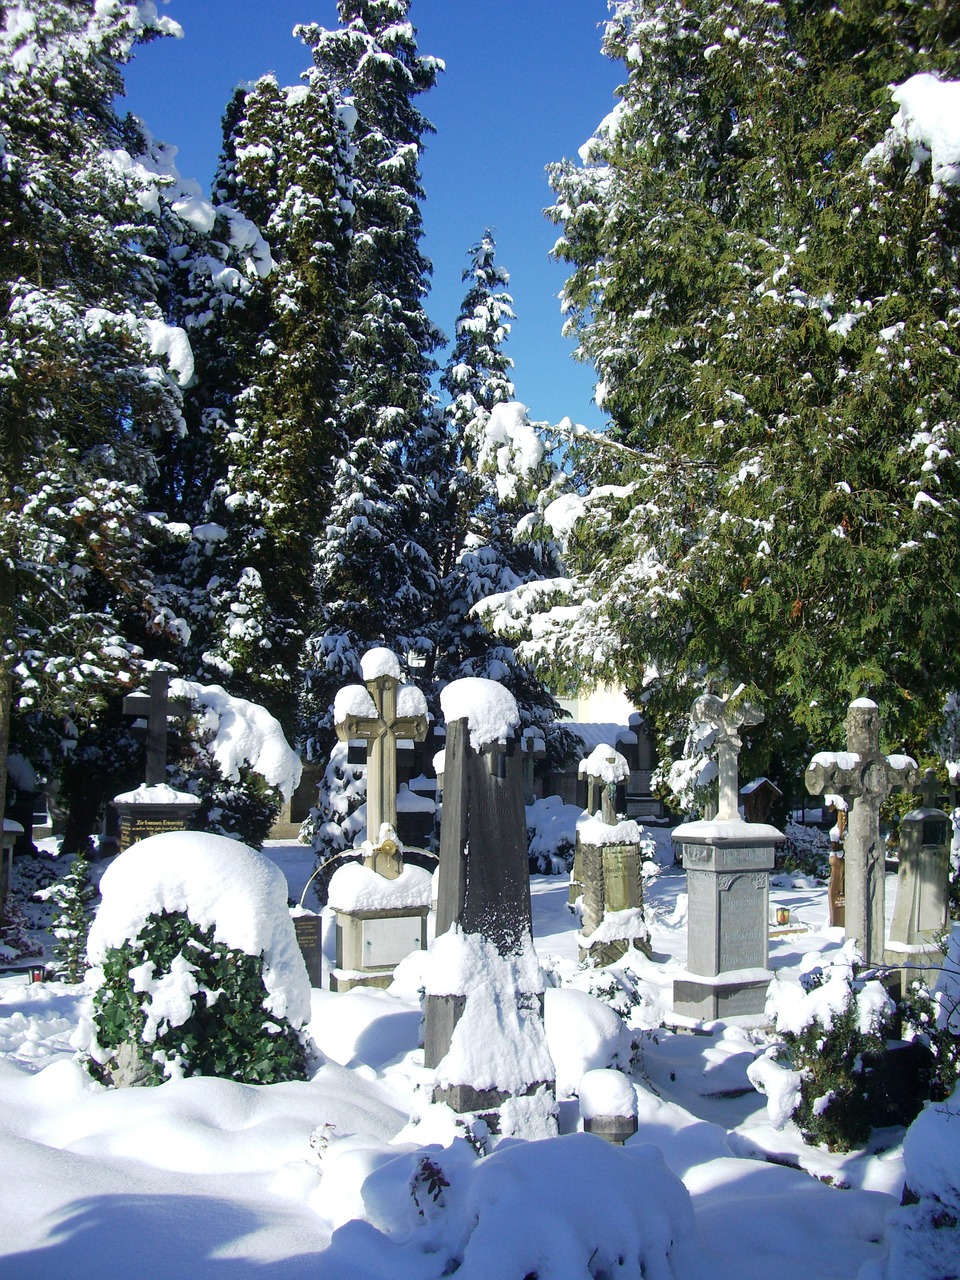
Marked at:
<point>606,763</point>
<point>490,709</point>
<point>380,662</point>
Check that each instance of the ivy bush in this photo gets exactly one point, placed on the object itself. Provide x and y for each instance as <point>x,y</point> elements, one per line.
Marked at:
<point>72,896</point>
<point>189,1006</point>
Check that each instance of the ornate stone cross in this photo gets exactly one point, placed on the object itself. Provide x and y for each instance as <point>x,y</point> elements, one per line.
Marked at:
<point>380,712</point>
<point>157,707</point>
<point>864,775</point>
<point>727,720</point>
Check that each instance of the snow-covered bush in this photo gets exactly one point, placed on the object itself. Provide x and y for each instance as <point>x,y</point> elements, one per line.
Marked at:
<point>806,851</point>
<point>933,1018</point>
<point>833,1029</point>
<point>552,835</point>
<point>922,1236</point>
<point>72,897</point>
<point>196,966</point>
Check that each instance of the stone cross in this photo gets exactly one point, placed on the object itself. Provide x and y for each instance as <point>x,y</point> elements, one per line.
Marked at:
<point>157,707</point>
<point>727,721</point>
<point>391,720</point>
<point>864,775</point>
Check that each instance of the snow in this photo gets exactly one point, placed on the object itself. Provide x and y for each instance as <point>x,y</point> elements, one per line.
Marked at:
<point>354,887</point>
<point>928,118</point>
<point>156,793</point>
<point>726,831</point>
<point>353,700</point>
<point>219,883</point>
<point>239,732</point>
<point>605,763</point>
<point>606,1093</point>
<point>380,662</point>
<point>489,708</point>
<point>496,1044</point>
<point>593,830</point>
<point>206,1177</point>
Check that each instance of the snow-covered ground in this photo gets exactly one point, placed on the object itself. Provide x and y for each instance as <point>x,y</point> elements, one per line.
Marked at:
<point>204,1178</point>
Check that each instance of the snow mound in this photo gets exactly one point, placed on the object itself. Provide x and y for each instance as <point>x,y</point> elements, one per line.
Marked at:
<point>220,884</point>
<point>583,1034</point>
<point>565,1207</point>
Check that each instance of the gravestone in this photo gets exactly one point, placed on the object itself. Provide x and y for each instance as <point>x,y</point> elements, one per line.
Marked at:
<point>154,807</point>
<point>483,1028</point>
<point>381,907</point>
<point>607,864</point>
<point>728,864</point>
<point>922,909</point>
<point>864,775</point>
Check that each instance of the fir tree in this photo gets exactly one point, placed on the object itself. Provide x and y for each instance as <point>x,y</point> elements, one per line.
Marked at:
<point>91,374</point>
<point>767,286</point>
<point>269,366</point>
<point>72,896</point>
<point>376,572</point>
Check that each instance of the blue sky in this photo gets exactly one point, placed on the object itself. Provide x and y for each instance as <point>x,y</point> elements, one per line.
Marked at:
<point>525,85</point>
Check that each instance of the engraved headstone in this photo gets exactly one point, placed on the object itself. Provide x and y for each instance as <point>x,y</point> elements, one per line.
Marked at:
<point>922,908</point>
<point>864,775</point>
<point>155,806</point>
<point>483,970</point>
<point>607,863</point>
<point>728,863</point>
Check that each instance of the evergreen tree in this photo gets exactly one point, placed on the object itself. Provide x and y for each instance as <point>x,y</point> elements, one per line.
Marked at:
<point>269,366</point>
<point>91,375</point>
<point>376,571</point>
<point>765,275</point>
<point>498,478</point>
<point>72,896</point>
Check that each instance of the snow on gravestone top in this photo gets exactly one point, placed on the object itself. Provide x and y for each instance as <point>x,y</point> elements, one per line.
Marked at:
<point>155,793</point>
<point>354,887</point>
<point>489,709</point>
<point>379,662</point>
<point>353,700</point>
<point>605,1092</point>
<point>219,883</point>
<point>594,831</point>
<point>605,763</point>
<point>243,733</point>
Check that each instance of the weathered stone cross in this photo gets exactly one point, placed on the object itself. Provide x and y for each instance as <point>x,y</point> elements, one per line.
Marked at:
<point>727,720</point>
<point>157,708</point>
<point>864,775</point>
<point>398,711</point>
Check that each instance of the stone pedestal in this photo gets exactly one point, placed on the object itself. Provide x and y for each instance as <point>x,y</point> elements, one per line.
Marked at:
<point>728,864</point>
<point>370,945</point>
<point>152,810</point>
<point>612,888</point>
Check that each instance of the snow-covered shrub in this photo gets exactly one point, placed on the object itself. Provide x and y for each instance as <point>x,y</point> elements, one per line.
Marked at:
<point>72,897</point>
<point>196,966</point>
<point>244,809</point>
<point>922,1236</point>
<point>551,835</point>
<point>806,851</point>
<point>21,913</point>
<point>833,1030</point>
<point>933,1018</point>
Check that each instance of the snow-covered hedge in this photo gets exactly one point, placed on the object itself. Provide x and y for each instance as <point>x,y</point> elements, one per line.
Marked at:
<point>196,968</point>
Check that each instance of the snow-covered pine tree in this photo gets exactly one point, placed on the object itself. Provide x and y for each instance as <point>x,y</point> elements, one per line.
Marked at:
<point>376,572</point>
<point>72,895</point>
<point>269,370</point>
<point>91,375</point>
<point>765,276</point>
<point>497,480</point>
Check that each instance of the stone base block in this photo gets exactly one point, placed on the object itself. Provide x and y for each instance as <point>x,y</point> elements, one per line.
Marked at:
<point>725,997</point>
<point>485,1104</point>
<point>615,1129</point>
